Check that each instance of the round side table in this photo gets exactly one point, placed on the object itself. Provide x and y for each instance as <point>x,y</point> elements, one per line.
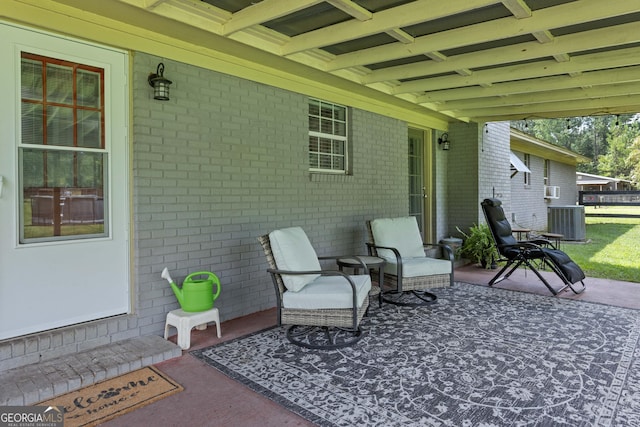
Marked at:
<point>371,263</point>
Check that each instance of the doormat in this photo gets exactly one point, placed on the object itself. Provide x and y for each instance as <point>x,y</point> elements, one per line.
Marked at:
<point>111,398</point>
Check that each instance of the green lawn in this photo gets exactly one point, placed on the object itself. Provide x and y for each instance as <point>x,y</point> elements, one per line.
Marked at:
<point>611,250</point>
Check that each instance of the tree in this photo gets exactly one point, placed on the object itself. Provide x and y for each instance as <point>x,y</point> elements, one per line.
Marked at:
<point>634,160</point>
<point>591,137</point>
<point>616,162</point>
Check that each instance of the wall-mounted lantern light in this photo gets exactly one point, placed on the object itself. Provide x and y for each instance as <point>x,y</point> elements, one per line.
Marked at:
<point>444,141</point>
<point>160,84</point>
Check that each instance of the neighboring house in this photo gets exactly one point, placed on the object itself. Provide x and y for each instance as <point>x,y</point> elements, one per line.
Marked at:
<point>590,182</point>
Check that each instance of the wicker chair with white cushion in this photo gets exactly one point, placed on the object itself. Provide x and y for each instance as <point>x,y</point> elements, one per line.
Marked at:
<point>409,270</point>
<point>324,308</point>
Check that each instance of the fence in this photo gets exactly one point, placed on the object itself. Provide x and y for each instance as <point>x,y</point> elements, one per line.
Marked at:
<point>610,198</point>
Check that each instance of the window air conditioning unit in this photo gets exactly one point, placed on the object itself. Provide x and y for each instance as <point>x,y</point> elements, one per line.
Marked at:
<point>551,192</point>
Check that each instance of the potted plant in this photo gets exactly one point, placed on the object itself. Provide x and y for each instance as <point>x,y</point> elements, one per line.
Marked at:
<point>478,246</point>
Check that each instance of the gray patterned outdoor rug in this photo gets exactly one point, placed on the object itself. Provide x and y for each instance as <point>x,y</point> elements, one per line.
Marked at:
<point>479,357</point>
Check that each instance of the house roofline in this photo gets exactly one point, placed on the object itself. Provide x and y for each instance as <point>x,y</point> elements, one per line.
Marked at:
<point>520,141</point>
<point>599,178</point>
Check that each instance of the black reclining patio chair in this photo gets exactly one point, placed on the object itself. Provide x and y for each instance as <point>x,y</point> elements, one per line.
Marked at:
<point>529,253</point>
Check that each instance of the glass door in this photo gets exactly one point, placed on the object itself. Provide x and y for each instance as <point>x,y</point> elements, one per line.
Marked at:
<point>419,186</point>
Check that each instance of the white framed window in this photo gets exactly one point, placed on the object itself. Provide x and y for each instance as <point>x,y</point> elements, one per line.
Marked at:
<point>328,137</point>
<point>527,163</point>
<point>547,172</point>
<point>62,151</point>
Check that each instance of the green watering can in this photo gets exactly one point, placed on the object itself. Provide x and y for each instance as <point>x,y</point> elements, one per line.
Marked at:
<point>195,294</point>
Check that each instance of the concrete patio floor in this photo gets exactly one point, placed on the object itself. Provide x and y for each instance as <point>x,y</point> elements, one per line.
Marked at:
<point>212,399</point>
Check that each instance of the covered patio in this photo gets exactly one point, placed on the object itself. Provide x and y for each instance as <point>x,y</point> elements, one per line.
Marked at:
<point>226,158</point>
<point>211,398</point>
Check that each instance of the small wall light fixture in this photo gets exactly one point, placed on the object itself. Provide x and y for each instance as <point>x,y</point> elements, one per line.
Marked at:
<point>160,84</point>
<point>444,141</point>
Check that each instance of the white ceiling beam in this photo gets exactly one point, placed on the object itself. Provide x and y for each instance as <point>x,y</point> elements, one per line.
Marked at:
<point>562,57</point>
<point>268,40</point>
<point>604,60</point>
<point>547,37</point>
<point>436,56</point>
<point>353,9</point>
<point>543,19</point>
<point>200,15</point>
<point>397,17</point>
<point>401,36</point>
<point>263,11</point>
<point>621,75</point>
<point>575,112</point>
<point>543,36</point>
<point>143,4</point>
<point>595,39</point>
<point>152,4</point>
<point>543,96</point>
<point>518,8</point>
<point>531,111</point>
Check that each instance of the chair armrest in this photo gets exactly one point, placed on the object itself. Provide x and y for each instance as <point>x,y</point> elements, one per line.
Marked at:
<point>444,247</point>
<point>523,246</point>
<point>541,242</point>
<point>395,251</point>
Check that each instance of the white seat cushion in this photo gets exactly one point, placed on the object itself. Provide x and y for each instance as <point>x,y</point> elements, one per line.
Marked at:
<point>416,267</point>
<point>292,251</point>
<point>400,233</point>
<point>328,292</point>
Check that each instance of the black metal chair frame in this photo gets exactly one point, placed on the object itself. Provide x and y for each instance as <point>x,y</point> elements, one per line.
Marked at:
<point>526,253</point>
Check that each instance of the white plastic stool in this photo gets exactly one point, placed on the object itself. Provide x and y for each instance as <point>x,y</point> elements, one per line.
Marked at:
<point>184,321</point>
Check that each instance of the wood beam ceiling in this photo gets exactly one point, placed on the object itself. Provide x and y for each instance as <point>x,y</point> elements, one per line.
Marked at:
<point>518,56</point>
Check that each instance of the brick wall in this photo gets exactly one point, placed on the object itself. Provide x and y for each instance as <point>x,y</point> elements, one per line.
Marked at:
<point>225,161</point>
<point>440,177</point>
<point>462,176</point>
<point>477,169</point>
<point>529,207</point>
<point>564,176</point>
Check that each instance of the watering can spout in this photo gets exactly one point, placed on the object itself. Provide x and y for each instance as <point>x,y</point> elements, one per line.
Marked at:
<point>165,275</point>
<point>176,290</point>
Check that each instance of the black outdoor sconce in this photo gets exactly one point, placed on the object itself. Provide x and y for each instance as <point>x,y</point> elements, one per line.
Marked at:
<point>444,141</point>
<point>159,84</point>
